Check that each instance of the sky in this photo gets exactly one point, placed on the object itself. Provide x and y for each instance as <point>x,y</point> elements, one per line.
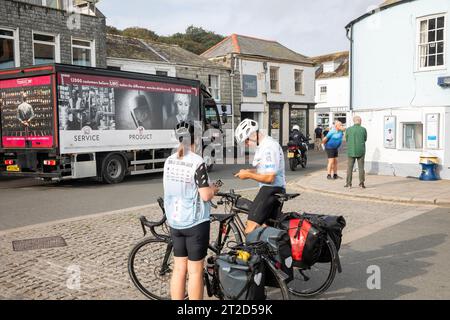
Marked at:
<point>310,27</point>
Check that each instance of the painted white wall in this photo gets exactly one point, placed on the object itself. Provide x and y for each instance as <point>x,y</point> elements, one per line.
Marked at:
<point>141,66</point>
<point>286,82</point>
<point>386,81</point>
<point>373,121</point>
<point>338,93</point>
<point>385,60</point>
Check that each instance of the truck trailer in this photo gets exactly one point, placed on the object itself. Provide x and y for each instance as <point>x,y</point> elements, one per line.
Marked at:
<point>61,122</point>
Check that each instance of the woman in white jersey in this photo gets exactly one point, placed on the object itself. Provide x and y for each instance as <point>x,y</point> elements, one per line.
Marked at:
<point>187,193</point>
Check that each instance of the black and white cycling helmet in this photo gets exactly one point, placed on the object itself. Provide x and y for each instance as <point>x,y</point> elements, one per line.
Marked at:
<point>184,129</point>
<point>245,129</point>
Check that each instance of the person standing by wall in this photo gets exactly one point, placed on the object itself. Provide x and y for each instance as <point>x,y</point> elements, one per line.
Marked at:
<point>332,142</point>
<point>356,137</point>
<point>318,132</point>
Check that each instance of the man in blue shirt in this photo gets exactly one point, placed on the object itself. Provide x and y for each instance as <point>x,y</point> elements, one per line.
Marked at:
<point>332,142</point>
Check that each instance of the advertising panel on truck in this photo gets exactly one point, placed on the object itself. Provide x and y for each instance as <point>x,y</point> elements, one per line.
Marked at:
<point>27,113</point>
<point>98,113</point>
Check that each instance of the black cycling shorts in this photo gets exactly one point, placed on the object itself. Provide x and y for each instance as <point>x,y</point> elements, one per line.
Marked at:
<point>332,153</point>
<point>266,205</point>
<point>192,243</point>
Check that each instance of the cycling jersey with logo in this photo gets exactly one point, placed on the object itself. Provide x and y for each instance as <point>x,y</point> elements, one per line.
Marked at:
<point>182,179</point>
<point>269,158</point>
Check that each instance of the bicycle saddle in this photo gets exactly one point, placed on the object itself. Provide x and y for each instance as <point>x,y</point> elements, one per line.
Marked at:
<point>286,196</point>
<point>243,204</point>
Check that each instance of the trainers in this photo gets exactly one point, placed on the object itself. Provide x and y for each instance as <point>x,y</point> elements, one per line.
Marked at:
<point>329,177</point>
<point>335,177</point>
<point>348,186</point>
<point>362,185</point>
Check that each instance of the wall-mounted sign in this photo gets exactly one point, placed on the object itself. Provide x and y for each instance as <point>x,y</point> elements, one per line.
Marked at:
<point>250,86</point>
<point>432,131</point>
<point>444,81</point>
<point>390,132</point>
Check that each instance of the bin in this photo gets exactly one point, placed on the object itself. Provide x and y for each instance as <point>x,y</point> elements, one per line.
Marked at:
<point>429,164</point>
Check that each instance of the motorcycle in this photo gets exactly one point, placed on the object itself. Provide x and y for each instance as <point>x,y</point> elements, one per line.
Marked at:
<point>297,154</point>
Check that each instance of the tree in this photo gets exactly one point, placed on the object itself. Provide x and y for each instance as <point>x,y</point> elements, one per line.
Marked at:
<point>195,39</point>
<point>141,33</point>
<point>113,30</point>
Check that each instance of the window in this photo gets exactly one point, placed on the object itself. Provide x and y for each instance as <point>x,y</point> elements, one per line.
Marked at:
<point>274,79</point>
<point>431,42</point>
<point>162,73</point>
<point>298,81</point>
<point>323,93</point>
<point>298,117</point>
<point>212,117</point>
<point>46,48</point>
<point>55,4</point>
<point>328,67</point>
<point>412,135</point>
<point>83,53</point>
<point>214,86</point>
<point>7,49</point>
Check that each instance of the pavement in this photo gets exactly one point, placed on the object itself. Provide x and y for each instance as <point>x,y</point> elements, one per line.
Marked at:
<point>385,188</point>
<point>98,247</point>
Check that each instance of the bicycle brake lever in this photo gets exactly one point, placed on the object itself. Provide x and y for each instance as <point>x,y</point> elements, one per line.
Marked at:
<point>143,227</point>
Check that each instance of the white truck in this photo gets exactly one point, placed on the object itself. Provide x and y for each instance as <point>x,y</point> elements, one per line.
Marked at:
<point>67,122</point>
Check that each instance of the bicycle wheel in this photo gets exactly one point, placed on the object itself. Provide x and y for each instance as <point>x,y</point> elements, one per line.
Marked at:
<point>276,288</point>
<point>316,279</point>
<point>150,266</point>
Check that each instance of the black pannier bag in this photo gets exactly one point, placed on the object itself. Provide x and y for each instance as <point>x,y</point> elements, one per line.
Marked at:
<point>333,226</point>
<point>278,243</point>
<point>239,279</point>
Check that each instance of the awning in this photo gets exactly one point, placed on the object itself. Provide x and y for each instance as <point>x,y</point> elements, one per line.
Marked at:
<point>252,107</point>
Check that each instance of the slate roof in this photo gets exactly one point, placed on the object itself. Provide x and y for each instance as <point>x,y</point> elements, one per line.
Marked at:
<point>131,48</point>
<point>341,58</point>
<point>250,46</point>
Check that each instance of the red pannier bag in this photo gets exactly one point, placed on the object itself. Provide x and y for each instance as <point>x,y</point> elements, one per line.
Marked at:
<point>306,242</point>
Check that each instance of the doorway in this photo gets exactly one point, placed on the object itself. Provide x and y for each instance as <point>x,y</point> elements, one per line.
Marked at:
<point>276,122</point>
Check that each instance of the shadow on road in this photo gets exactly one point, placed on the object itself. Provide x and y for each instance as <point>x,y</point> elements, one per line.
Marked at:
<point>399,262</point>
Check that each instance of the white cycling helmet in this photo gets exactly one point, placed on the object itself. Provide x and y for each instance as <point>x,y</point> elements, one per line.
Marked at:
<point>296,127</point>
<point>245,129</point>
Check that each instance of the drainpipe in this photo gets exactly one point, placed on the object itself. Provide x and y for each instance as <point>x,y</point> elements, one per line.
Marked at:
<point>350,38</point>
<point>232,74</point>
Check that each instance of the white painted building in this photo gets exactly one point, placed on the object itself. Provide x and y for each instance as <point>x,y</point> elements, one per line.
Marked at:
<point>400,84</point>
<point>332,89</point>
<point>277,83</point>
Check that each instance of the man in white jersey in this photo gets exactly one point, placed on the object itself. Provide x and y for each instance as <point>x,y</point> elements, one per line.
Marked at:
<point>269,172</point>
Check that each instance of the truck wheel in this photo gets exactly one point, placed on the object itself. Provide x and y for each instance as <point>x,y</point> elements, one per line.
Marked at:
<point>113,169</point>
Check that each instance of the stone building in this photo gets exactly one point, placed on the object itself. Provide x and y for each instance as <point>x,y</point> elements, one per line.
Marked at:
<point>42,31</point>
